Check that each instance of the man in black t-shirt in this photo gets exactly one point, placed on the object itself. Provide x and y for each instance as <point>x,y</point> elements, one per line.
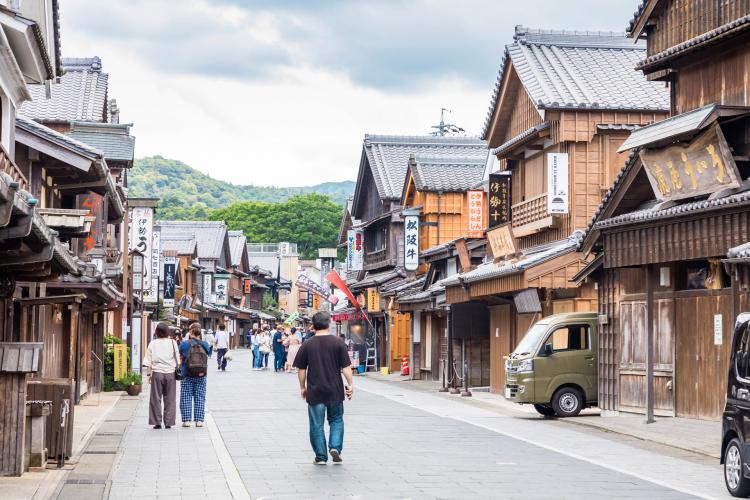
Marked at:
<point>320,361</point>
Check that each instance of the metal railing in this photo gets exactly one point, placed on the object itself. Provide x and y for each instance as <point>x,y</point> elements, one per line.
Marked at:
<point>283,248</point>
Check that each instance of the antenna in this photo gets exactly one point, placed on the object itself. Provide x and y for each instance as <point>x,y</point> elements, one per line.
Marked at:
<point>446,128</point>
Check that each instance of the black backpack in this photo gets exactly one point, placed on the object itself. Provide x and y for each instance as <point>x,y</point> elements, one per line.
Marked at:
<point>197,360</point>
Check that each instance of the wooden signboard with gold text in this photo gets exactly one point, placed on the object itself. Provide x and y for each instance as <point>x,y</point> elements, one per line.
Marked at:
<point>502,242</point>
<point>120,361</point>
<point>703,166</point>
<point>373,300</point>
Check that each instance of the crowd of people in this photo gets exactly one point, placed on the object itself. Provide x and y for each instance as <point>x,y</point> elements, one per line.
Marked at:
<point>283,342</point>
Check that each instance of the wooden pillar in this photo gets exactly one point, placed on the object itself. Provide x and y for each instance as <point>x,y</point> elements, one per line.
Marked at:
<point>649,344</point>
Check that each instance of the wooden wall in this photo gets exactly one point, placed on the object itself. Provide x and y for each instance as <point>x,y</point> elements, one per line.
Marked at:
<point>502,341</point>
<point>681,20</point>
<point>12,423</point>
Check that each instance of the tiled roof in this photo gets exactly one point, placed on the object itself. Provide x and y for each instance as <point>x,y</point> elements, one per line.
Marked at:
<point>671,127</point>
<point>531,258</point>
<point>514,141</point>
<point>388,156</point>
<point>181,245</point>
<point>54,136</point>
<point>446,173</point>
<point>80,95</point>
<point>636,15</point>
<point>209,235</point>
<point>237,242</point>
<point>113,139</point>
<point>739,252</point>
<point>653,213</point>
<point>579,70</point>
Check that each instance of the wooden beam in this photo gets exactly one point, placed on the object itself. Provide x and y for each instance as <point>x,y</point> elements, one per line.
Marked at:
<point>649,344</point>
<point>81,185</point>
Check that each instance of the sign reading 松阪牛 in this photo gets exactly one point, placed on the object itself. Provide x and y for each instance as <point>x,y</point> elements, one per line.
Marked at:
<point>703,166</point>
<point>411,242</point>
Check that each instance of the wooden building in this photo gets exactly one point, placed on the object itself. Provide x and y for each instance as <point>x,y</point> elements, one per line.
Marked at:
<point>678,206</point>
<point>376,208</point>
<point>563,104</point>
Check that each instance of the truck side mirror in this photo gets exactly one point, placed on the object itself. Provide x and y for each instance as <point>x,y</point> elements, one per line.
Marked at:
<point>548,349</point>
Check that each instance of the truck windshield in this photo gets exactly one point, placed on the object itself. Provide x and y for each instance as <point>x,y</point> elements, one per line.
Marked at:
<point>531,340</point>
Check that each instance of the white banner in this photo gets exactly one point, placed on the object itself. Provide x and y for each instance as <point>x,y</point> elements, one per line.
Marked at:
<point>135,348</point>
<point>221,289</point>
<point>207,288</point>
<point>141,239</point>
<point>411,242</point>
<point>355,249</point>
<point>557,183</point>
<point>151,295</point>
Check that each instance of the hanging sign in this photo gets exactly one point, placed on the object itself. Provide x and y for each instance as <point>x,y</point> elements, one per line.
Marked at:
<point>95,204</point>
<point>557,183</point>
<point>411,242</point>
<point>208,288</point>
<point>339,317</point>
<point>306,283</point>
<point>316,302</point>
<point>501,240</point>
<point>373,300</point>
<point>141,239</point>
<point>355,251</point>
<point>221,288</point>
<point>703,166</point>
<point>151,294</point>
<point>170,269</point>
<point>248,285</point>
<point>120,361</point>
<point>498,200</point>
<point>475,199</point>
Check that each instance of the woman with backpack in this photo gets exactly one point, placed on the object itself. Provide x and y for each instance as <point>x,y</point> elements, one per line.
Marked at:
<point>195,352</point>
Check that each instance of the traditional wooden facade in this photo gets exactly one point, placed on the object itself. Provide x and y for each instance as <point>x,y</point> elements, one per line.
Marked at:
<point>678,206</point>
<point>555,129</point>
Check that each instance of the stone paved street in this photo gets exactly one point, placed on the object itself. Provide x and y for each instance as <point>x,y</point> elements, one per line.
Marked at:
<point>399,444</point>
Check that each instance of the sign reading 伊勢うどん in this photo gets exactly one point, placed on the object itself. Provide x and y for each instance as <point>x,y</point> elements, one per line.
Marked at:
<point>476,226</point>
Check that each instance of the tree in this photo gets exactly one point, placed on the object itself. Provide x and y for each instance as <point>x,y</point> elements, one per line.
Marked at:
<point>311,220</point>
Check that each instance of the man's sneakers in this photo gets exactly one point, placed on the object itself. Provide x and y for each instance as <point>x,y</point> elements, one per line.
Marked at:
<point>318,461</point>
<point>198,423</point>
<point>336,455</point>
<point>186,424</point>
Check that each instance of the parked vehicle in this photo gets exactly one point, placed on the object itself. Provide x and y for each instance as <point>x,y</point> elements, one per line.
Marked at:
<point>554,367</point>
<point>734,425</point>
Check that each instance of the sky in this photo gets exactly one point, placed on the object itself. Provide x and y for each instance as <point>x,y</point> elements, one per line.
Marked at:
<point>281,92</point>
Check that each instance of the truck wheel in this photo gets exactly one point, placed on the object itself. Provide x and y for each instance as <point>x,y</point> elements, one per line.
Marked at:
<point>567,402</point>
<point>545,410</point>
<point>737,484</point>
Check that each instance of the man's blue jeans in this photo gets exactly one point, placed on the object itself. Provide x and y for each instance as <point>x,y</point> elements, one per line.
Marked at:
<point>317,416</point>
<point>278,359</point>
<point>256,356</point>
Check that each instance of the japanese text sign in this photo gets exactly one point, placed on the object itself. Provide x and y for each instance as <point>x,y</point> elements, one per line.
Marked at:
<point>355,251</point>
<point>207,288</point>
<point>94,203</point>
<point>373,300</point>
<point>499,199</point>
<point>120,361</point>
<point>703,166</point>
<point>141,239</point>
<point>501,241</point>
<point>170,267</point>
<point>221,288</point>
<point>151,294</point>
<point>411,242</point>
<point>248,285</point>
<point>557,183</point>
<point>476,210</point>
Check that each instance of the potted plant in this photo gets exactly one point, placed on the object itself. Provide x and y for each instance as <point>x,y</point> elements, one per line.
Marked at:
<point>132,383</point>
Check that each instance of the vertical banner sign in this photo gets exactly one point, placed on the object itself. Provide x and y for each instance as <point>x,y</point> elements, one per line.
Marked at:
<point>309,299</point>
<point>355,251</point>
<point>557,183</point>
<point>170,268</point>
<point>221,287</point>
<point>94,203</point>
<point>130,229</point>
<point>475,199</point>
<point>141,239</point>
<point>373,300</point>
<point>411,242</point>
<point>316,302</point>
<point>499,199</point>
<point>248,285</point>
<point>207,288</point>
<point>135,345</point>
<point>120,361</point>
<point>151,295</point>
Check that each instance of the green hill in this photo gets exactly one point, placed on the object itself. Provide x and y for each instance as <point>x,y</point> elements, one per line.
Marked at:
<point>186,193</point>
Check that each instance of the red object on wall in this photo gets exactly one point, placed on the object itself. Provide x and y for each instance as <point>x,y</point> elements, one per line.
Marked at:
<point>336,280</point>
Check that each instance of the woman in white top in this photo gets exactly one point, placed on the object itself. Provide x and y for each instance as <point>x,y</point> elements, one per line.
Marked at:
<point>162,359</point>
<point>264,348</point>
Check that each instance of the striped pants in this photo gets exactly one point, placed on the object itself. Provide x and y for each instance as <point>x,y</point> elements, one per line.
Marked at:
<point>193,392</point>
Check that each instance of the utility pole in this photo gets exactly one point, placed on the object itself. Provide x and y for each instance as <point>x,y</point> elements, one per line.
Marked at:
<point>444,129</point>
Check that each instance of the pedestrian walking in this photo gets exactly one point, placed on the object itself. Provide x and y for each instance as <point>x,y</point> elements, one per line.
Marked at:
<point>251,344</point>
<point>222,346</point>
<point>195,352</point>
<point>208,336</point>
<point>320,361</point>
<point>277,341</point>
<point>161,360</point>
<point>264,349</point>
<point>293,343</point>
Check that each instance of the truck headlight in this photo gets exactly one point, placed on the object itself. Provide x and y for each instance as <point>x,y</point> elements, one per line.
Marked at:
<point>525,366</point>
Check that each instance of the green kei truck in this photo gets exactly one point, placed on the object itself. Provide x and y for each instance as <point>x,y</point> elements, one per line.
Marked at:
<point>554,366</point>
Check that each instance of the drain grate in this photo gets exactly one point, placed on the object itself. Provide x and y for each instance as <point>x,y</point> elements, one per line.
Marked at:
<point>108,434</point>
<point>100,452</point>
<point>85,481</point>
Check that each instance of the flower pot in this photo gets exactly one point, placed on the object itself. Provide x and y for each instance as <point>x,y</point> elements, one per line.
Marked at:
<point>134,390</point>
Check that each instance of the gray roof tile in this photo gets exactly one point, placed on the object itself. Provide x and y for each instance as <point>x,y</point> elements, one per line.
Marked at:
<point>181,245</point>
<point>388,156</point>
<point>79,147</point>
<point>113,139</point>
<point>237,242</point>
<point>209,235</point>
<point>80,95</point>
<point>579,70</point>
<point>446,173</point>
<point>739,252</point>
